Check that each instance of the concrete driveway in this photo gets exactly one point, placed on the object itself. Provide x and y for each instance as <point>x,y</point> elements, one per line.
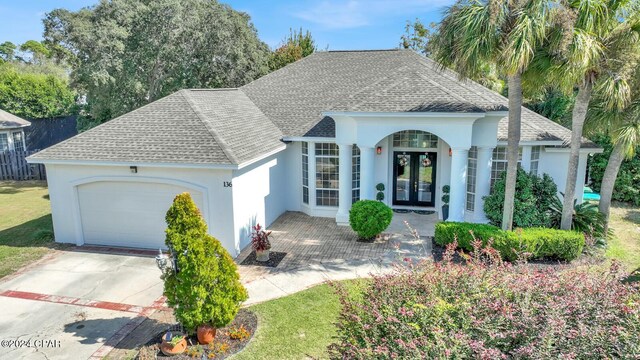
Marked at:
<point>76,305</point>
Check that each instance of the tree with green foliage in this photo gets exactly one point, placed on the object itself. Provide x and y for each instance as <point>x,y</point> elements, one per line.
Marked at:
<point>503,33</point>
<point>34,95</point>
<point>205,287</point>
<point>296,46</point>
<point>587,42</point>
<point>36,50</point>
<point>7,51</point>
<point>534,196</point>
<point>132,52</point>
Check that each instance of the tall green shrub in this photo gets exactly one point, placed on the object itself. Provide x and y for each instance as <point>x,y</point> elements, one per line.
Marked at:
<point>533,197</point>
<point>205,288</point>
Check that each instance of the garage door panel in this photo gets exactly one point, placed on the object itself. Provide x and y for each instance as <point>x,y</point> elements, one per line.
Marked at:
<point>127,213</point>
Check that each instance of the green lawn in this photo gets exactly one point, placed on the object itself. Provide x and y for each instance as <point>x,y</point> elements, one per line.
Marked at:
<point>625,246</point>
<point>299,326</point>
<point>26,231</point>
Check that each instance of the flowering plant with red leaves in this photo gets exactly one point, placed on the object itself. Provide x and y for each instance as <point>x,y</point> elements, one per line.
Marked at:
<point>260,238</point>
<point>483,308</point>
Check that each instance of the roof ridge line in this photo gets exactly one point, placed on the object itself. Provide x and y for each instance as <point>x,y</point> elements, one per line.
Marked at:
<point>212,131</point>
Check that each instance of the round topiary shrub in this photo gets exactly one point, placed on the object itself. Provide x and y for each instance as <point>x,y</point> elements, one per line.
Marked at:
<point>203,287</point>
<point>369,218</point>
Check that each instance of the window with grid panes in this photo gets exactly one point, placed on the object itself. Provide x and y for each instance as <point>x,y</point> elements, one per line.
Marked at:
<point>355,174</point>
<point>499,164</point>
<point>472,166</point>
<point>305,172</point>
<point>415,139</point>
<point>327,164</point>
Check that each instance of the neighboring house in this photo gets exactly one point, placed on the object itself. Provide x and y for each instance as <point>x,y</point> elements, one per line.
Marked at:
<point>12,132</point>
<point>314,136</point>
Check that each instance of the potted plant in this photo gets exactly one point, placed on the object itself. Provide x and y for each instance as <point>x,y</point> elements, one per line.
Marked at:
<point>173,343</point>
<point>206,333</point>
<point>445,202</point>
<point>260,242</point>
<point>380,194</point>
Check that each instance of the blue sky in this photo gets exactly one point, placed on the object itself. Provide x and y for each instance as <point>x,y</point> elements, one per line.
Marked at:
<point>346,24</point>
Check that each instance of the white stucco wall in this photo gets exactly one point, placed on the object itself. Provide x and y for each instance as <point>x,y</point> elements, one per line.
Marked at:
<point>64,179</point>
<point>555,163</point>
<point>261,193</point>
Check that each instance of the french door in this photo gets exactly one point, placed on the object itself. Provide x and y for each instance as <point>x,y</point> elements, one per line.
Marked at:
<point>414,175</point>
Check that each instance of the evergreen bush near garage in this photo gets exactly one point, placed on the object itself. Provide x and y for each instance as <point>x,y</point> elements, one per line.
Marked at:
<point>205,288</point>
<point>369,218</point>
<point>533,199</point>
<point>536,243</point>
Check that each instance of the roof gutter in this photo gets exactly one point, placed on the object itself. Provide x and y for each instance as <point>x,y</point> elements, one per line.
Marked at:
<point>357,114</point>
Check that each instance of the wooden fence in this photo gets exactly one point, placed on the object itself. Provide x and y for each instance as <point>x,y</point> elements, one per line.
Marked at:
<point>14,166</point>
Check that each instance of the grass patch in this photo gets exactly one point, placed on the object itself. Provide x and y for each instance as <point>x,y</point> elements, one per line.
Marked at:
<point>625,245</point>
<point>26,231</point>
<point>297,326</point>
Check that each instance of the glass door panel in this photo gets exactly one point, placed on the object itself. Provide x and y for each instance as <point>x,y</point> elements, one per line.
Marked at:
<point>424,181</point>
<point>403,177</point>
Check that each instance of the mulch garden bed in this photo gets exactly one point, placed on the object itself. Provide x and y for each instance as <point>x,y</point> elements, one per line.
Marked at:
<point>274,259</point>
<point>222,346</point>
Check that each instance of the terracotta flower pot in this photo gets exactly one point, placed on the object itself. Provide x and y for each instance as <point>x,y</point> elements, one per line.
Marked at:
<point>169,349</point>
<point>262,255</point>
<point>206,333</point>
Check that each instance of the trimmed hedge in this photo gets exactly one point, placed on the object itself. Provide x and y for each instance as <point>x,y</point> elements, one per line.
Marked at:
<point>369,218</point>
<point>538,242</point>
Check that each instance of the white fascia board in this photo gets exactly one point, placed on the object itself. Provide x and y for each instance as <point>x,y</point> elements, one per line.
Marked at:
<point>582,150</point>
<point>130,163</point>
<point>535,143</point>
<point>355,114</point>
<point>310,139</point>
<point>157,165</point>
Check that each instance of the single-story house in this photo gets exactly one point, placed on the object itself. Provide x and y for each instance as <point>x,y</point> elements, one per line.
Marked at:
<point>314,136</point>
<point>12,132</point>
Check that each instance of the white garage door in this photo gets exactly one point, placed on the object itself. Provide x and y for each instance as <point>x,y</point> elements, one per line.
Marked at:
<point>127,214</point>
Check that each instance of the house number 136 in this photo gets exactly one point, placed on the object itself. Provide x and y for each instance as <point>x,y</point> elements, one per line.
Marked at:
<point>227,183</point>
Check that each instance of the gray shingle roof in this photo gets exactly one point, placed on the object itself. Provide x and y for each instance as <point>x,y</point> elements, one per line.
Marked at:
<point>232,126</point>
<point>190,126</point>
<point>10,121</point>
<point>378,81</point>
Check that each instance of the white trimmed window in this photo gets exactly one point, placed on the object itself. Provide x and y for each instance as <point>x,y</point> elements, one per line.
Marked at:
<point>415,139</point>
<point>472,166</point>
<point>535,159</point>
<point>355,174</point>
<point>327,164</point>
<point>499,164</point>
<point>305,172</point>
<point>4,142</point>
<point>18,141</point>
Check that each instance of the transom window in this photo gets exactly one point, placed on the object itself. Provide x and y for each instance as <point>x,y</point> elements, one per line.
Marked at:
<point>472,165</point>
<point>327,164</point>
<point>415,139</point>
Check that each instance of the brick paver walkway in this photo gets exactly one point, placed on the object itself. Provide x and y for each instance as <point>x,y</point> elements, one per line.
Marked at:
<point>308,240</point>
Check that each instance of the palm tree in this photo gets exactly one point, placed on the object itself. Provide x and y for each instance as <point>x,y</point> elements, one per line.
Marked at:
<point>590,42</point>
<point>506,33</point>
<point>624,125</point>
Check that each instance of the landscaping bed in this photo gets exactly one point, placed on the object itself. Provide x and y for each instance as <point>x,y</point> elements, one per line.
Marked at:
<point>222,347</point>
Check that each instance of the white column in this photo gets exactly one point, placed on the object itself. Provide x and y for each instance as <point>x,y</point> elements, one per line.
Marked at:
<point>344,177</point>
<point>483,182</point>
<point>526,158</point>
<point>367,187</point>
<point>459,157</point>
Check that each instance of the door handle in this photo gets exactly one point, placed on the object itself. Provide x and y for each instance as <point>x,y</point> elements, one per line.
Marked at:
<point>415,186</point>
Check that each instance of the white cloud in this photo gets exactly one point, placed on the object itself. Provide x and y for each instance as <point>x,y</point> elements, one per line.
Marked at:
<point>335,14</point>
